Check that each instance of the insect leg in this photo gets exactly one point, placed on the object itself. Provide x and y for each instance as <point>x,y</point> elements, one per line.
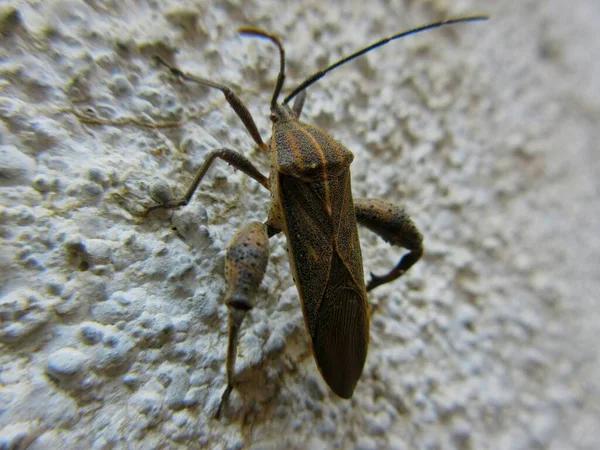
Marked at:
<point>234,101</point>
<point>245,265</point>
<point>272,230</point>
<point>235,159</point>
<point>394,226</point>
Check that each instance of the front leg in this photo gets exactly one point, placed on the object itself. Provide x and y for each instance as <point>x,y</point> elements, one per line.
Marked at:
<point>245,265</point>
<point>396,228</point>
<point>235,159</point>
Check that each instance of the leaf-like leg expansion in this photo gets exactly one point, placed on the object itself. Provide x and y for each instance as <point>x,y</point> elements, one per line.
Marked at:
<point>235,159</point>
<point>395,227</point>
<point>234,101</point>
<point>245,265</point>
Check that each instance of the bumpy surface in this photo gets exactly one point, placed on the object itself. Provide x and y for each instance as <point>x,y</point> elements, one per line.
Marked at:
<point>112,326</point>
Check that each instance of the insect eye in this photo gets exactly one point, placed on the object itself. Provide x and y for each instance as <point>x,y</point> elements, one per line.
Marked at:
<point>274,117</point>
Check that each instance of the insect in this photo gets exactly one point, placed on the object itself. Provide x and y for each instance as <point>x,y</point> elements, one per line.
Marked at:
<point>312,204</point>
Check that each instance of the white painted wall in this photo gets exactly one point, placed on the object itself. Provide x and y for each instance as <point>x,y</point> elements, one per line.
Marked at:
<point>112,329</point>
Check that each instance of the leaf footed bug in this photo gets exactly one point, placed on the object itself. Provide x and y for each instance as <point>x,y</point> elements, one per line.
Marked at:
<point>312,204</point>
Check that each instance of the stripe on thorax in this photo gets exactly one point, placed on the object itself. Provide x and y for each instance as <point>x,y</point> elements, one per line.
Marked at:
<point>323,159</point>
<point>296,150</point>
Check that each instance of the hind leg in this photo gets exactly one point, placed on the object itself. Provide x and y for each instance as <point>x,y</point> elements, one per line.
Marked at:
<point>245,265</point>
<point>395,227</point>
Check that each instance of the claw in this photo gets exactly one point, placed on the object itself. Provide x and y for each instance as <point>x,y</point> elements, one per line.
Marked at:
<point>224,399</point>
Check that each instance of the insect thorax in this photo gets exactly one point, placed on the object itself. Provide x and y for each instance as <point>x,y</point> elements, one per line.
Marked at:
<point>307,152</point>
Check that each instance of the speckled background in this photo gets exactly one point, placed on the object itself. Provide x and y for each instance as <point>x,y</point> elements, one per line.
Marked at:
<point>112,328</point>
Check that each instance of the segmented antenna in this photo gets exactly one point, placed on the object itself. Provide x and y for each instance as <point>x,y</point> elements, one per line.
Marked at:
<point>318,75</point>
<point>281,77</point>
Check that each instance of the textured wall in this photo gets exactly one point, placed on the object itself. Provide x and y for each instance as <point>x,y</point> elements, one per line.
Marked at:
<point>112,328</point>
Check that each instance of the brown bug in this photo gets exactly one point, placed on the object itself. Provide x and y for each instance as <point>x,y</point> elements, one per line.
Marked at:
<point>312,204</point>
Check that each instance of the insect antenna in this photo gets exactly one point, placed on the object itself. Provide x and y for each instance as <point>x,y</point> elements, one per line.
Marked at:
<point>318,75</point>
<point>281,77</point>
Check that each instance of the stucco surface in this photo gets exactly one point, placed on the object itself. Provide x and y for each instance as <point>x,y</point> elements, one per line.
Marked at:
<point>113,332</point>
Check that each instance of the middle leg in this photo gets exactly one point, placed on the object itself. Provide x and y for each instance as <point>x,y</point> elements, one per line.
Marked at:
<point>235,159</point>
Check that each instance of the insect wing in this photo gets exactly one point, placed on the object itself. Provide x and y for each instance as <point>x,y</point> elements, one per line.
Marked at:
<point>325,259</point>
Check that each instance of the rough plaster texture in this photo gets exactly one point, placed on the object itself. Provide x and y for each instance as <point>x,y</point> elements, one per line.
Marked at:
<point>112,329</point>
